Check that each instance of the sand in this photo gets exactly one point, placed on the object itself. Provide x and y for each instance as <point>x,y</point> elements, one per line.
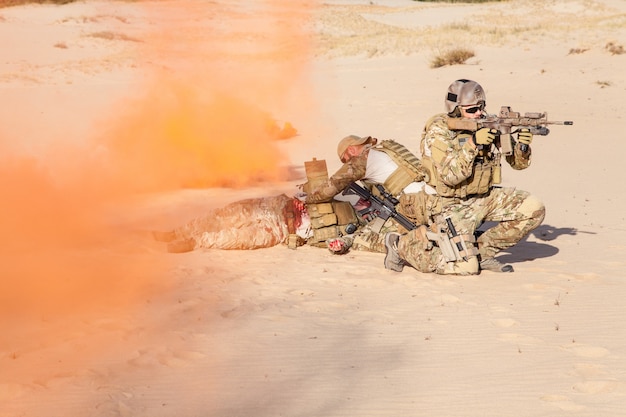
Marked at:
<point>121,117</point>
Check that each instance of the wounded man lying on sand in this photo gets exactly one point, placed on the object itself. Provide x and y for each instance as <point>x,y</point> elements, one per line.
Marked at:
<point>269,221</point>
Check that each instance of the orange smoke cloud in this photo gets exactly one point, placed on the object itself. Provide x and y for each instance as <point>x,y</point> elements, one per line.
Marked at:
<point>205,116</point>
<point>174,138</point>
<point>216,76</point>
<point>59,253</point>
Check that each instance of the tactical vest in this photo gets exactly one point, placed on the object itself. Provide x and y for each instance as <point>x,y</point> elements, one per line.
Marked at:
<point>409,166</point>
<point>485,173</point>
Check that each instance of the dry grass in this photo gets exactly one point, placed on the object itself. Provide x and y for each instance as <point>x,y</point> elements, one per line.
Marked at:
<point>460,1</point>
<point>614,49</point>
<point>451,57</point>
<point>350,31</point>
<point>576,51</point>
<point>10,3</point>
<point>112,36</point>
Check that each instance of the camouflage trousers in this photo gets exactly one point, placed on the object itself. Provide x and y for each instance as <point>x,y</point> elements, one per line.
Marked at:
<point>516,213</point>
<point>420,253</point>
<point>247,224</point>
<point>413,247</point>
<point>366,239</point>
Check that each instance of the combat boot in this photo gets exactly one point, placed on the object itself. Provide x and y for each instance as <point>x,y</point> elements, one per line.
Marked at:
<point>492,264</point>
<point>393,260</point>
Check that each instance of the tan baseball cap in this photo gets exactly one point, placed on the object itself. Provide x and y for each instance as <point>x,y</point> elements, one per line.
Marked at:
<point>350,141</point>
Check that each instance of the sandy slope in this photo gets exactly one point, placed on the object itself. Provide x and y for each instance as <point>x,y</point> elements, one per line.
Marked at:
<point>276,332</point>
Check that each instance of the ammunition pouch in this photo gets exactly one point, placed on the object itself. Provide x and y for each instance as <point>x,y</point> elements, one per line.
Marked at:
<point>330,220</point>
<point>482,179</point>
<point>486,173</point>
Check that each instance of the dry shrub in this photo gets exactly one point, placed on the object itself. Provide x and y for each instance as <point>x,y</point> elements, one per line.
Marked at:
<point>575,51</point>
<point>451,57</point>
<point>614,49</point>
<point>10,3</point>
<point>460,1</point>
<point>112,36</point>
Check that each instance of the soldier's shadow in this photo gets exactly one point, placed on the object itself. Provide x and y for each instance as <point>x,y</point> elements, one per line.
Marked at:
<point>527,251</point>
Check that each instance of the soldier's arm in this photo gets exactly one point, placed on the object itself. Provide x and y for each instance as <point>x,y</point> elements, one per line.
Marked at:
<point>350,172</point>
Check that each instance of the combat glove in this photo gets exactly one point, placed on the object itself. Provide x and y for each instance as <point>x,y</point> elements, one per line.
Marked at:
<point>485,136</point>
<point>524,137</point>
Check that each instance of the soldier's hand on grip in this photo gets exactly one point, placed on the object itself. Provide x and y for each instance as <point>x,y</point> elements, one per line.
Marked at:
<point>525,137</point>
<point>485,136</point>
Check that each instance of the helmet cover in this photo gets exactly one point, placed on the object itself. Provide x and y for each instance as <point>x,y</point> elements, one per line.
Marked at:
<point>464,93</point>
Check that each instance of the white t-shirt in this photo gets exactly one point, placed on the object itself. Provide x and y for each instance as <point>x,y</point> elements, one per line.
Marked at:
<point>380,166</point>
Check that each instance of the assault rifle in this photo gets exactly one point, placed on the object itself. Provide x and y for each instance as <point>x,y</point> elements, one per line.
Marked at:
<point>382,208</point>
<point>452,245</point>
<point>504,122</point>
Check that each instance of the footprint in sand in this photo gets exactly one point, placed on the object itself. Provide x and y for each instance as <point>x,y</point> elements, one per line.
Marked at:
<point>599,386</point>
<point>585,351</point>
<point>116,403</point>
<point>562,402</point>
<point>505,323</point>
<point>596,380</point>
<point>519,339</point>
<point>173,359</point>
<point>589,370</point>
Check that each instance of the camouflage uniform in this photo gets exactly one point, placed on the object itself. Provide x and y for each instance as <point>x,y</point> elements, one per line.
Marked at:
<point>412,205</point>
<point>464,178</point>
<point>247,224</point>
<point>418,251</point>
<point>366,239</point>
<point>253,224</point>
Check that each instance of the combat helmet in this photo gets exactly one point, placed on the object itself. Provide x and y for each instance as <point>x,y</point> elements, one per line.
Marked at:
<point>462,93</point>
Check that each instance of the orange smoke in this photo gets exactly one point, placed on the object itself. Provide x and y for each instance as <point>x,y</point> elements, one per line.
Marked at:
<point>175,138</point>
<point>59,253</point>
<point>215,77</point>
<point>205,115</point>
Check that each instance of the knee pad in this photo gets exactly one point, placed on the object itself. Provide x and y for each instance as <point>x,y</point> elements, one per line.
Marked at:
<point>532,208</point>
